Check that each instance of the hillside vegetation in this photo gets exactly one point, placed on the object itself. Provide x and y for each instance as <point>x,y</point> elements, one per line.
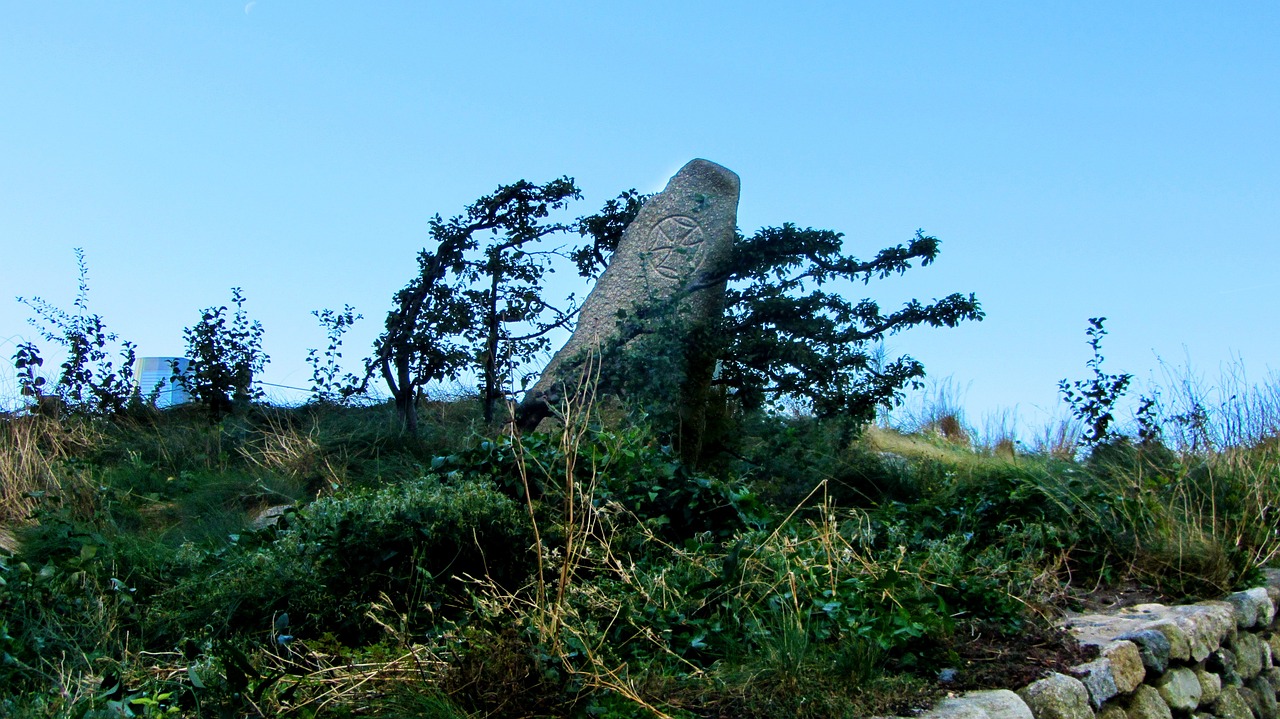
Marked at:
<point>319,562</point>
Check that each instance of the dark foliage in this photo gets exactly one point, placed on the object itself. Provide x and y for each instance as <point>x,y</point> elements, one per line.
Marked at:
<point>225,349</point>
<point>90,381</point>
<point>1093,400</point>
<point>460,311</point>
<point>790,335</point>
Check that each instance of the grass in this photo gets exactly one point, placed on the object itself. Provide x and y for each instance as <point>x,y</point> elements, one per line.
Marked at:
<point>467,572</point>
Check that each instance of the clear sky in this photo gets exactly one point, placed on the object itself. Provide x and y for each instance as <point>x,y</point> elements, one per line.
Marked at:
<point>1075,158</point>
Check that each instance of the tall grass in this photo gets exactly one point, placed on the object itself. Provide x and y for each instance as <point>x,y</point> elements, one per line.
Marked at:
<point>1199,416</point>
<point>33,450</point>
<point>819,609</point>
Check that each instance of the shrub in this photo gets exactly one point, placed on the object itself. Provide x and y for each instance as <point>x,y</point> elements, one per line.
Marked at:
<point>224,358</point>
<point>326,384</point>
<point>409,542</point>
<point>90,381</point>
<point>1093,400</point>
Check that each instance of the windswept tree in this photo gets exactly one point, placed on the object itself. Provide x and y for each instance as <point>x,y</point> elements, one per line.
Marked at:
<point>512,318</point>
<point>790,331</point>
<point>604,230</point>
<point>478,302</point>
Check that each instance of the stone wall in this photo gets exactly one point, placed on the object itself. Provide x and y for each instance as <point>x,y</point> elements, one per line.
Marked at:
<point>1212,659</point>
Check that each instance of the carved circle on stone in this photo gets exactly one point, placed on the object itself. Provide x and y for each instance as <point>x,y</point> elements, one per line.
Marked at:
<point>676,241</point>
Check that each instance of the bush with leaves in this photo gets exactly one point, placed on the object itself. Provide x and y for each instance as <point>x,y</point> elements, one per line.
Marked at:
<point>790,337</point>
<point>90,381</point>
<point>326,384</point>
<point>1093,400</point>
<point>477,305</point>
<point>409,542</point>
<point>789,334</point>
<point>225,349</point>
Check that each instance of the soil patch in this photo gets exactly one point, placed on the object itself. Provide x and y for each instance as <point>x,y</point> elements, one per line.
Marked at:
<point>990,659</point>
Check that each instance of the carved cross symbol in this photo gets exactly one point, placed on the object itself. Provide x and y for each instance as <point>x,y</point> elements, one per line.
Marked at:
<point>676,241</point>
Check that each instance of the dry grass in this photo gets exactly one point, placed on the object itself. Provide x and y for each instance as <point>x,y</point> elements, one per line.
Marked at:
<point>284,449</point>
<point>32,450</point>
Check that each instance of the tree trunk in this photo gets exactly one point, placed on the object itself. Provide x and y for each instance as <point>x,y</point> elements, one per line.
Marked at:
<point>404,392</point>
<point>492,327</point>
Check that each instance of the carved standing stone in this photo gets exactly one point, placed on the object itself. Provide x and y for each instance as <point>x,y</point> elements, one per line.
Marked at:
<point>674,249</point>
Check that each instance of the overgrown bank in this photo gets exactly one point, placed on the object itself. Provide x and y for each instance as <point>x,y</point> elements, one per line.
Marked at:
<point>808,571</point>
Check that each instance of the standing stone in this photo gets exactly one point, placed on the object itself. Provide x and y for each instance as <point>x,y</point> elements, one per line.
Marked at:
<point>676,248</point>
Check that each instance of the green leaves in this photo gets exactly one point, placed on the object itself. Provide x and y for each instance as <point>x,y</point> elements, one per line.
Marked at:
<point>1093,400</point>
<point>477,302</point>
<point>226,353</point>
<point>90,382</point>
<point>784,339</point>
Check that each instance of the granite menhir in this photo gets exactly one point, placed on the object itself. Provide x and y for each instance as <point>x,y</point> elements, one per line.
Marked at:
<point>676,248</point>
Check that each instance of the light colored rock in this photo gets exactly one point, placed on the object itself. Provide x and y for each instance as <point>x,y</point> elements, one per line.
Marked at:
<point>674,249</point>
<point>956,708</point>
<point>1192,631</point>
<point>1000,704</point>
<point>1252,608</point>
<point>1100,629</point>
<point>1266,694</point>
<point>1207,625</point>
<point>1210,686</point>
<point>1180,689</point>
<point>1103,628</point>
<point>1057,696</point>
<point>1231,705</point>
<point>1126,665</point>
<point>1098,679</point>
<point>1268,658</point>
<point>269,516</point>
<point>1248,651</point>
<point>1147,704</point>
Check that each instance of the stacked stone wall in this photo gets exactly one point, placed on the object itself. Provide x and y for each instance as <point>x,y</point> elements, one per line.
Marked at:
<point>1211,659</point>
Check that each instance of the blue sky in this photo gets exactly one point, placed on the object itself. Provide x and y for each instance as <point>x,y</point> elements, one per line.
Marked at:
<point>1076,159</point>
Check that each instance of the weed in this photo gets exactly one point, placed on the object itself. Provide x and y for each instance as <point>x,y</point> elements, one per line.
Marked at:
<point>224,358</point>
<point>90,381</point>
<point>1092,401</point>
<point>326,385</point>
